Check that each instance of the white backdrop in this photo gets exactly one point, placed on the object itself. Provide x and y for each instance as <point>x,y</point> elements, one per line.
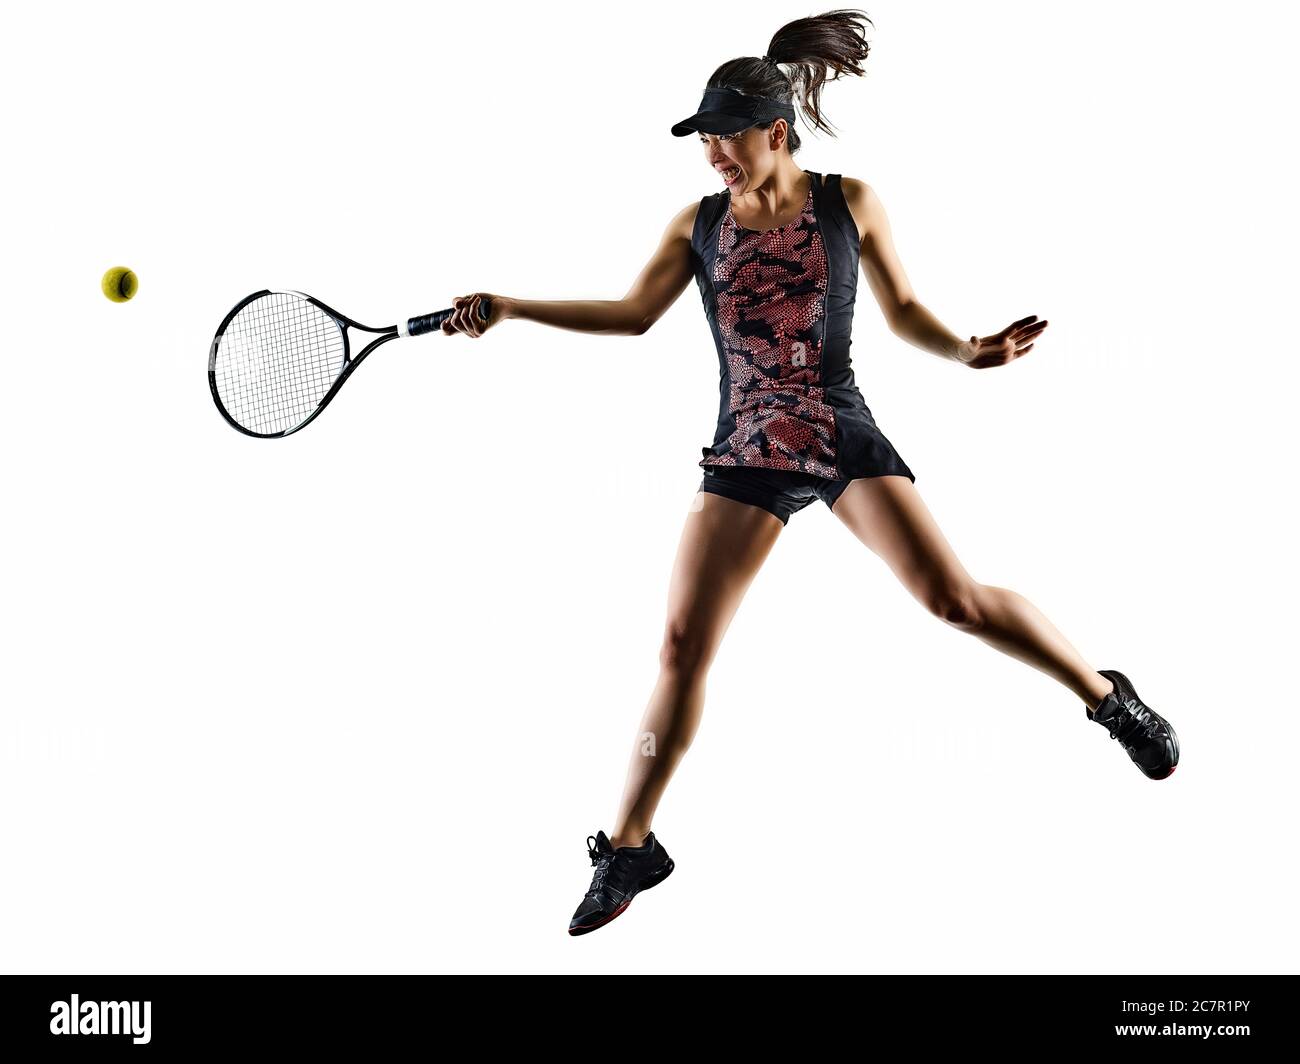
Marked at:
<point>351,701</point>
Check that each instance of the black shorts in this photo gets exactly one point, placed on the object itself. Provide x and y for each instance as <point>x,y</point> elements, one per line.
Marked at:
<point>778,491</point>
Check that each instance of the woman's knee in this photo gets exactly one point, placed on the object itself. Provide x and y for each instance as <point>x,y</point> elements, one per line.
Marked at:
<point>685,649</point>
<point>958,604</point>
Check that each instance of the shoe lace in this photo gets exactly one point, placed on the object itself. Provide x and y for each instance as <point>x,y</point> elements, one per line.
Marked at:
<point>1133,721</point>
<point>602,862</point>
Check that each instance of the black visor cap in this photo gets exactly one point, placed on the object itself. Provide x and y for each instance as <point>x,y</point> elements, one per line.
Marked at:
<point>727,111</point>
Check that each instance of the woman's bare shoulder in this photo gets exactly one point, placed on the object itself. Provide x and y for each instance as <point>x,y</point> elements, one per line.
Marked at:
<point>683,225</point>
<point>861,200</point>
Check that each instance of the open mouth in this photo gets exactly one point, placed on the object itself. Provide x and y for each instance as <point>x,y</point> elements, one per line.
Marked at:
<point>730,175</point>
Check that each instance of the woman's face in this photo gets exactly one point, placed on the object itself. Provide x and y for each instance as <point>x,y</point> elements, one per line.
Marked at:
<point>745,157</point>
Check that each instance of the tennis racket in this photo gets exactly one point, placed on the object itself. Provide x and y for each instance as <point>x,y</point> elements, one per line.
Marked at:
<point>280,357</point>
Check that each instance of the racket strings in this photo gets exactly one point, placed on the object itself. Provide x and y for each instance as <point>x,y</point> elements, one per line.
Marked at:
<point>276,361</point>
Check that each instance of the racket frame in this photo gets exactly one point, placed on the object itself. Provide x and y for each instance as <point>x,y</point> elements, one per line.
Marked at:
<point>349,364</point>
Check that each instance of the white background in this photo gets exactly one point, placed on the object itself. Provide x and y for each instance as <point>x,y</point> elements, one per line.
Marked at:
<point>351,701</point>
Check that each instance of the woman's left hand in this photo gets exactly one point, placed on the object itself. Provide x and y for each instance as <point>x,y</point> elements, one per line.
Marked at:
<point>981,352</point>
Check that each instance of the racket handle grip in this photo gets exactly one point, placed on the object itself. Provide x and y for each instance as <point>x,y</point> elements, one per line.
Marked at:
<point>428,322</point>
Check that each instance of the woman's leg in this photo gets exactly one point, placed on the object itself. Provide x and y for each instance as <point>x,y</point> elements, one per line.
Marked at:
<point>887,514</point>
<point>722,547</point>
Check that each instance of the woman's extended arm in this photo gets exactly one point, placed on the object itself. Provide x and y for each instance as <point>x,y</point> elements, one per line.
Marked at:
<point>652,293</point>
<point>908,318</point>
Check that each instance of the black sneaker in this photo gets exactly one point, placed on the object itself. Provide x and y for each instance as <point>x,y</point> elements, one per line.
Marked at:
<point>1148,738</point>
<point>620,875</point>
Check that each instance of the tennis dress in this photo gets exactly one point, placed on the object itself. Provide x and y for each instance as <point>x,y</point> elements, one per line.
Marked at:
<point>780,305</point>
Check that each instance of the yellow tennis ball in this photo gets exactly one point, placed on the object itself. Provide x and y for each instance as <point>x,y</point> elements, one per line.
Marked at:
<point>119,284</point>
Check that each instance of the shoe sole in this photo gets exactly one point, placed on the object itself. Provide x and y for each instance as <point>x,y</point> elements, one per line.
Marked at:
<point>1173,735</point>
<point>656,879</point>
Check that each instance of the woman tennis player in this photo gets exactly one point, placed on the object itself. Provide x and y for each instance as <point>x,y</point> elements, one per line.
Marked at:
<point>776,255</point>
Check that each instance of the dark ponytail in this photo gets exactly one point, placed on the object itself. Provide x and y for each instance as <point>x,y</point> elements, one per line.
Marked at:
<point>809,49</point>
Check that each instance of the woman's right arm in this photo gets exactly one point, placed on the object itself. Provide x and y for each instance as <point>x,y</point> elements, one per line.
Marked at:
<point>662,280</point>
